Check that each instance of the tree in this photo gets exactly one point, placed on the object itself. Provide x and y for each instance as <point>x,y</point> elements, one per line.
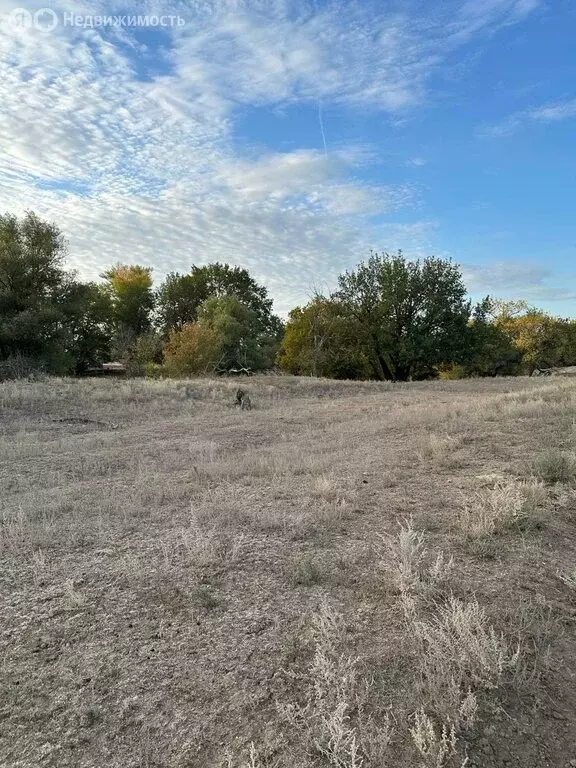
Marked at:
<point>178,299</point>
<point>192,350</point>
<point>534,334</point>
<point>87,325</point>
<point>47,316</point>
<point>412,314</point>
<point>243,342</point>
<point>226,335</point>
<point>180,296</point>
<point>566,350</point>
<point>147,352</point>
<point>323,340</point>
<point>32,277</point>
<point>130,290</point>
<point>489,348</point>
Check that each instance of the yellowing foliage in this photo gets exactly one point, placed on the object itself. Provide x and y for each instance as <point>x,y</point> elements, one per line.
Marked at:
<point>193,350</point>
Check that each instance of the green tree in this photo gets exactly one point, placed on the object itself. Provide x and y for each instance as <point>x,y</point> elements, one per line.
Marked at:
<point>489,348</point>
<point>180,296</point>
<point>566,350</point>
<point>47,316</point>
<point>31,275</point>
<point>146,353</point>
<point>87,324</point>
<point>412,314</point>
<point>244,344</point>
<point>39,299</point>
<point>321,339</point>
<point>178,299</point>
<point>536,335</point>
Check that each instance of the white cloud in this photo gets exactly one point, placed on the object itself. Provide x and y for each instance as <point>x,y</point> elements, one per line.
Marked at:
<point>416,162</point>
<point>476,16</point>
<point>554,112</point>
<point>147,170</point>
<point>547,113</point>
<point>530,280</point>
<point>509,275</point>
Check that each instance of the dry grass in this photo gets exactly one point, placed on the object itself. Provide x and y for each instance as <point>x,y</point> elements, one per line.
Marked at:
<point>459,655</point>
<point>509,504</point>
<point>440,449</point>
<point>458,647</point>
<point>555,466</point>
<point>417,572</point>
<point>333,716</point>
<point>185,585</point>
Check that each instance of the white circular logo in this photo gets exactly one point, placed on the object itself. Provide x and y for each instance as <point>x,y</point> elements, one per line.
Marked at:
<point>20,18</point>
<point>45,20</point>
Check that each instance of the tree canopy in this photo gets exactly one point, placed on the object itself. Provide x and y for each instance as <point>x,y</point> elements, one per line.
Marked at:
<point>323,339</point>
<point>180,297</point>
<point>129,287</point>
<point>411,314</point>
<point>46,315</point>
<point>389,318</point>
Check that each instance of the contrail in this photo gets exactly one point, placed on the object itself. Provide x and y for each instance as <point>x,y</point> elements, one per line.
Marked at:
<point>322,126</point>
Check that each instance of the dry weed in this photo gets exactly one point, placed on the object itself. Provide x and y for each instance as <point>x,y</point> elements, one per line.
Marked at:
<point>508,504</point>
<point>460,653</point>
<point>416,574</point>
<point>334,682</point>
<point>434,748</point>
<point>251,761</point>
<point>334,717</point>
<point>73,599</point>
<point>439,448</point>
<point>39,565</point>
<point>325,487</point>
<point>555,466</point>
<point>409,556</point>
<point>306,571</point>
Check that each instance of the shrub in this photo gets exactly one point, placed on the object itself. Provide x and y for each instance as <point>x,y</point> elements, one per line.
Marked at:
<point>21,367</point>
<point>192,351</point>
<point>555,466</point>
<point>452,371</point>
<point>509,504</point>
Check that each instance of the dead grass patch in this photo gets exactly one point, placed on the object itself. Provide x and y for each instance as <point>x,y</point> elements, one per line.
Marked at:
<point>568,578</point>
<point>440,449</point>
<point>417,572</point>
<point>338,729</point>
<point>307,571</point>
<point>509,504</point>
<point>555,466</point>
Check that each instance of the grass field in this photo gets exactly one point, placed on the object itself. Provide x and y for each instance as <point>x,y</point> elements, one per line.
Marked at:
<point>350,574</point>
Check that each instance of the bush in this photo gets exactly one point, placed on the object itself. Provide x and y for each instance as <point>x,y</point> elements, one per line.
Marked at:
<point>21,367</point>
<point>192,351</point>
<point>452,371</point>
<point>154,371</point>
<point>556,466</point>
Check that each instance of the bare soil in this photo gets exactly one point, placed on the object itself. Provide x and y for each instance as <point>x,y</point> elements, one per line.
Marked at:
<point>164,557</point>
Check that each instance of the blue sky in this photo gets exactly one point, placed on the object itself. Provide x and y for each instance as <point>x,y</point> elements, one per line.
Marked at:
<point>292,136</point>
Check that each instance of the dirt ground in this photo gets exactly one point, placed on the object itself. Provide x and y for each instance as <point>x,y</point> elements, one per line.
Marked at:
<point>349,574</point>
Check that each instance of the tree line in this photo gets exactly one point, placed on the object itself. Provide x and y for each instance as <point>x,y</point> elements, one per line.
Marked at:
<point>389,319</point>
